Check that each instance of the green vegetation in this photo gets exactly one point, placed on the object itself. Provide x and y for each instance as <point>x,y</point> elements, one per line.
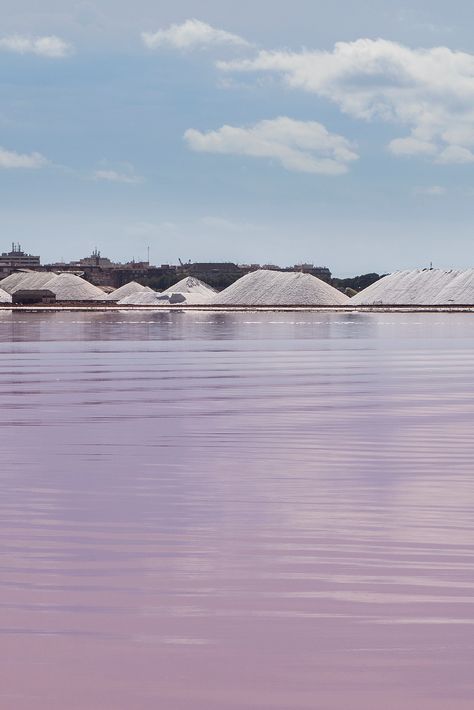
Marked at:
<point>356,283</point>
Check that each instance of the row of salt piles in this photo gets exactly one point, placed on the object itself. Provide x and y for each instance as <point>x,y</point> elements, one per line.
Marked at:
<point>188,291</point>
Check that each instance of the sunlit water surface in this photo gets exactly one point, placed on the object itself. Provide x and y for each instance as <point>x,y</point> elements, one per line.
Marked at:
<point>228,511</point>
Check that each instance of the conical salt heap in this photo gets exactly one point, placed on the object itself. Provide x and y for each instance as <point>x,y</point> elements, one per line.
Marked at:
<point>69,287</point>
<point>16,280</point>
<point>420,287</point>
<point>192,285</point>
<point>277,288</point>
<point>127,290</point>
<point>188,291</point>
<point>33,281</point>
<point>11,281</point>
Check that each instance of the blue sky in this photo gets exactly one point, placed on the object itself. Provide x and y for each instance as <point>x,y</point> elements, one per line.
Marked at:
<point>253,132</point>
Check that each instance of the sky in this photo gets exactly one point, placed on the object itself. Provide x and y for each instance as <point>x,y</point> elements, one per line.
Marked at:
<point>340,134</point>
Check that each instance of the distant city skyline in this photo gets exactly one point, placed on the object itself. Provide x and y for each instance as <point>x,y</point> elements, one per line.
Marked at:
<point>20,257</point>
<point>260,133</point>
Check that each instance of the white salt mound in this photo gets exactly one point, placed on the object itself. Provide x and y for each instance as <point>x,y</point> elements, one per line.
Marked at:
<point>33,281</point>
<point>277,288</point>
<point>127,290</point>
<point>11,282</point>
<point>5,297</point>
<point>192,285</point>
<point>66,287</point>
<point>459,291</point>
<point>188,291</point>
<point>69,287</point>
<point>421,287</point>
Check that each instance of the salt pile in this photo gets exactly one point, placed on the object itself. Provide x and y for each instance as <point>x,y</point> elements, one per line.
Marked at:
<point>127,290</point>
<point>5,297</point>
<point>69,287</point>
<point>13,282</point>
<point>66,287</point>
<point>277,288</point>
<point>188,291</point>
<point>421,287</point>
<point>459,291</point>
<point>33,281</point>
<point>192,285</point>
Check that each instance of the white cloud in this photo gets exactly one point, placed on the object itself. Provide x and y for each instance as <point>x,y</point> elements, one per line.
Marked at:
<point>297,145</point>
<point>127,176</point>
<point>430,91</point>
<point>455,154</point>
<point>9,160</point>
<point>430,191</point>
<point>412,146</point>
<point>52,47</point>
<point>192,34</point>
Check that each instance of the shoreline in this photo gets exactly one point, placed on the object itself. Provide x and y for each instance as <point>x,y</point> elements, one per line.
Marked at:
<point>77,307</point>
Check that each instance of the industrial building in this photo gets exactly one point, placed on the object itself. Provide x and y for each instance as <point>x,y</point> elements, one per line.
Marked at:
<point>17,259</point>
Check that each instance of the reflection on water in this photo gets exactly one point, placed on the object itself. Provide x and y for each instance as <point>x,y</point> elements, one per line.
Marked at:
<point>223,511</point>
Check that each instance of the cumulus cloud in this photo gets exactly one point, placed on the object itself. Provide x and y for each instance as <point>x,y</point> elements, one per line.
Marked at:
<point>412,146</point>
<point>9,159</point>
<point>127,175</point>
<point>430,91</point>
<point>51,47</point>
<point>455,154</point>
<point>301,146</point>
<point>192,34</point>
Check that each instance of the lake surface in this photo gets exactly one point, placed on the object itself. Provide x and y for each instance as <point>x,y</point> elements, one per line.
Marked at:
<point>235,510</point>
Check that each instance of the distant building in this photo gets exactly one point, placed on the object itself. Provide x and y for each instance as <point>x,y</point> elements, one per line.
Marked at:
<point>104,272</point>
<point>271,267</point>
<point>17,259</point>
<point>96,259</point>
<point>304,267</point>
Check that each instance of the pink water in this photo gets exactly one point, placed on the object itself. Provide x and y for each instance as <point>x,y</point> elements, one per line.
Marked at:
<point>229,511</point>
